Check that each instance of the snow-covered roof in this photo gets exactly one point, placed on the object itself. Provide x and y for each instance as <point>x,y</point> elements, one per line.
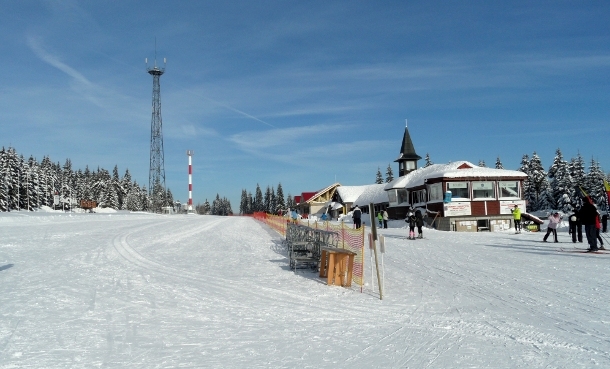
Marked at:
<point>457,169</point>
<point>363,195</point>
<point>350,193</point>
<point>374,193</point>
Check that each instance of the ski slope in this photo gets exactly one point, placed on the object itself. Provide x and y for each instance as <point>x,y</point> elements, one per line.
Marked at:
<point>156,291</point>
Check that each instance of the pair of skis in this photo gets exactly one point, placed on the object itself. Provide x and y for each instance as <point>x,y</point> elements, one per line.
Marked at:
<point>584,251</point>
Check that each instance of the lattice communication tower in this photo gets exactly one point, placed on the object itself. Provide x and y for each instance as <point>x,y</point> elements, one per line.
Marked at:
<point>156,177</point>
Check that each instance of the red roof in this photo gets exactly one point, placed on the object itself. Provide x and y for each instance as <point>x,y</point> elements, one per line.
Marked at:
<point>307,195</point>
<point>297,199</point>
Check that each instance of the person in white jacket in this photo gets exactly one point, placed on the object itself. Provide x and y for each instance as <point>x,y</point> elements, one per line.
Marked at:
<point>554,221</point>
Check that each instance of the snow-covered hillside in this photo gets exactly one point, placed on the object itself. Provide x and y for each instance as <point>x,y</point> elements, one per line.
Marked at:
<point>151,291</point>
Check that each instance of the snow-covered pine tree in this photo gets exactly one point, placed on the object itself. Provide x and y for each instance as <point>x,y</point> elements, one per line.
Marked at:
<point>4,180</point>
<point>281,202</point>
<point>33,186</point>
<point>595,184</point>
<point>258,204</point>
<point>13,185</point>
<point>169,197</point>
<point>132,202</point>
<point>290,201</point>
<point>267,200</point>
<point>226,207</point>
<point>561,184</point>
<point>499,163</point>
<point>214,210</point>
<point>528,191</point>
<point>389,174</point>
<point>273,202</point>
<point>46,181</point>
<point>428,161</point>
<point>126,188</point>
<point>577,170</point>
<point>482,164</point>
<point>243,201</point>
<point>378,177</point>
<point>539,183</point>
<point>250,205</point>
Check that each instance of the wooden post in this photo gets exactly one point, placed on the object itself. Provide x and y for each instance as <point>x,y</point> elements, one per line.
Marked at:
<point>371,207</point>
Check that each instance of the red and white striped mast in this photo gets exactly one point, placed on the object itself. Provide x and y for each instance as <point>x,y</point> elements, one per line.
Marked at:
<point>189,207</point>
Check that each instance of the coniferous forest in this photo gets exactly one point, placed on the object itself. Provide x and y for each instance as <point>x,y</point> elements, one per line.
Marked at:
<point>29,184</point>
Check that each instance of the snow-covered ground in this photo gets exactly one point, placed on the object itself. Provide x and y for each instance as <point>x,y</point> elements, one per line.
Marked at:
<point>153,291</point>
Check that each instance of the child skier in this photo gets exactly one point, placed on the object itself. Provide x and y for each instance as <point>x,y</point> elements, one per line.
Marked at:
<point>411,220</point>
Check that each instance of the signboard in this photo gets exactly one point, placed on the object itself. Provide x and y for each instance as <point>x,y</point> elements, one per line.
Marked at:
<point>507,206</point>
<point>56,200</point>
<point>457,184</point>
<point>457,208</point>
<point>482,185</point>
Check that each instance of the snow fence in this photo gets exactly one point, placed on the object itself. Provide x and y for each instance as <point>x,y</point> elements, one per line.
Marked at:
<point>349,238</point>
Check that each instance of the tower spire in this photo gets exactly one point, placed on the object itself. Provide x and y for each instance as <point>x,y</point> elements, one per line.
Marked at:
<point>407,159</point>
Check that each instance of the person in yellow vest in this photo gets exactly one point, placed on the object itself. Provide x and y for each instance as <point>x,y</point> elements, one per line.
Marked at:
<point>517,218</point>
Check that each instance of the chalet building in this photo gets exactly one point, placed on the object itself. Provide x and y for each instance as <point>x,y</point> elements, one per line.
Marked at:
<point>459,196</point>
<point>317,203</point>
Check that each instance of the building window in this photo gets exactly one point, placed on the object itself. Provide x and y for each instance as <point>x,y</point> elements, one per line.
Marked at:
<point>392,196</point>
<point>458,190</point>
<point>483,190</point>
<point>435,192</point>
<point>402,196</point>
<point>418,196</point>
<point>509,189</point>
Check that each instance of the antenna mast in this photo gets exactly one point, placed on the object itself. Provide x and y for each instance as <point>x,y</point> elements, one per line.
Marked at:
<point>156,177</point>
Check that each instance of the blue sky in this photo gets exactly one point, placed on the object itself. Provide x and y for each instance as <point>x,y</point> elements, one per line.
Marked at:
<point>303,93</point>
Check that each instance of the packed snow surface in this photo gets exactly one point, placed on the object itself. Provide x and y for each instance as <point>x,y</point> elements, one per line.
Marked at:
<point>166,291</point>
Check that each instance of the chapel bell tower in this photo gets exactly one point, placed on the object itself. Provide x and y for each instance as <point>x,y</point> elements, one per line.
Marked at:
<point>407,160</point>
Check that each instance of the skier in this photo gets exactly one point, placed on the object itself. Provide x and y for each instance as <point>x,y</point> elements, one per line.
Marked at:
<point>379,219</point>
<point>575,227</point>
<point>385,219</point>
<point>419,222</point>
<point>588,217</point>
<point>357,214</point>
<point>554,221</point>
<point>411,221</point>
<point>598,229</point>
<point>517,218</point>
<point>293,214</point>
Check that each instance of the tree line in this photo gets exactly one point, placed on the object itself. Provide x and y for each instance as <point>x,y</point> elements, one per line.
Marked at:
<point>272,202</point>
<point>219,207</point>
<point>560,188</point>
<point>29,184</point>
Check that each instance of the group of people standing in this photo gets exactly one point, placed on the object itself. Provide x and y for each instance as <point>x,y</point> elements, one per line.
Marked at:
<point>589,217</point>
<point>382,218</point>
<point>415,219</point>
